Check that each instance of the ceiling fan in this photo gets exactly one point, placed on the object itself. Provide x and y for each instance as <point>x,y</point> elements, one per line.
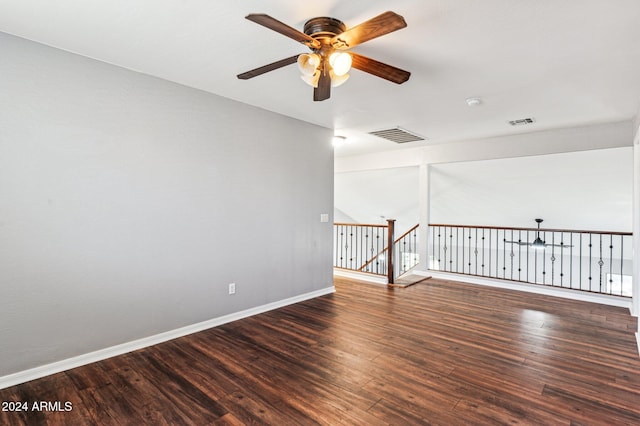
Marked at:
<point>538,243</point>
<point>328,39</point>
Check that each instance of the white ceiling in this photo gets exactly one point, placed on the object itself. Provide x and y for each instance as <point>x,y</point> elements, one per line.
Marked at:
<point>565,63</point>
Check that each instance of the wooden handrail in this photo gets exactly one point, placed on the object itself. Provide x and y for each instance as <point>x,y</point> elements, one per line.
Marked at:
<point>575,231</point>
<point>407,233</point>
<point>360,224</point>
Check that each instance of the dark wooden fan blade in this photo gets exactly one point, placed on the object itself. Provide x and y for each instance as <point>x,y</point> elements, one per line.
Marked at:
<point>380,25</point>
<point>379,69</point>
<point>323,91</point>
<point>520,243</point>
<point>266,68</point>
<point>284,29</point>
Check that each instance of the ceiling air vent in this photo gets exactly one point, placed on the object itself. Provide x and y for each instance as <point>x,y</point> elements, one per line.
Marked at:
<point>397,135</point>
<point>522,121</point>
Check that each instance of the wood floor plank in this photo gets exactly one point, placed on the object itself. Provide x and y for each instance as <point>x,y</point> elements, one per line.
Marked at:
<point>438,352</point>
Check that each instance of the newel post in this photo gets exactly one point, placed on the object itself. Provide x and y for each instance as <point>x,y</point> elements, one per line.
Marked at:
<point>390,243</point>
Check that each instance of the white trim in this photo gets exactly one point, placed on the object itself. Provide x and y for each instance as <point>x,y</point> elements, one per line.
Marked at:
<point>77,361</point>
<point>584,296</point>
<point>361,276</point>
<point>424,197</point>
<point>638,342</point>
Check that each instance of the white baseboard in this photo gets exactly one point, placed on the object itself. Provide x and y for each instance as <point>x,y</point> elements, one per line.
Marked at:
<point>638,342</point>
<point>361,276</point>
<point>88,358</point>
<point>532,288</point>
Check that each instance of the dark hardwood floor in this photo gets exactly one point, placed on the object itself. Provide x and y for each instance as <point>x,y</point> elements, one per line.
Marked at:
<point>438,352</point>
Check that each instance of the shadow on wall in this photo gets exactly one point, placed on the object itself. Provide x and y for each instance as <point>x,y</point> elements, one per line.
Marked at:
<point>373,196</point>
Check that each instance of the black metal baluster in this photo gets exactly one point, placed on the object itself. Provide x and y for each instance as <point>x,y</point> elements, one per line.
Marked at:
<point>475,251</point>
<point>463,247</point>
<point>519,255</point>
<point>621,262</point>
<point>571,260</point>
<point>440,248</point>
<point>402,253</point>
<point>344,246</point>
<point>446,250</point>
<point>553,257</point>
<point>600,263</point>
<point>433,252</point>
<point>489,263</point>
<point>535,265</point>
<point>611,264</point>
<point>375,248</point>
<point>360,255</point>
<point>527,274</point>
<point>374,265</point>
<point>580,263</point>
<point>498,252</point>
<point>590,262</point>
<point>382,244</point>
<point>373,242</point>
<point>366,245</point>
<point>463,241</point>
<point>511,255</point>
<point>457,249</point>
<point>483,252</point>
<point>544,262</point>
<point>351,259</point>
<point>504,254</point>
<point>362,248</point>
<point>561,259</point>
<point>469,251</point>
<point>451,249</point>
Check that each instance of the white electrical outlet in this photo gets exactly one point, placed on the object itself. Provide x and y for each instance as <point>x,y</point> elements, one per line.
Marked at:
<point>232,288</point>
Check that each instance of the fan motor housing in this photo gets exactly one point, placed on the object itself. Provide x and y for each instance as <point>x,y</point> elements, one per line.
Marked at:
<point>324,27</point>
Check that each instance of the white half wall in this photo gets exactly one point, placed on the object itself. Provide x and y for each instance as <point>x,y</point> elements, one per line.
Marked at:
<point>589,190</point>
<point>129,203</point>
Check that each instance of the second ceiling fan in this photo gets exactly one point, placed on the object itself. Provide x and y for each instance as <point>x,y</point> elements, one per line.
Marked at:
<point>538,243</point>
<point>328,38</point>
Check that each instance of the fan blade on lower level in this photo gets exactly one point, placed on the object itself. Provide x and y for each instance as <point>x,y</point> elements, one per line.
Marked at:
<point>379,69</point>
<point>558,245</point>
<point>520,243</point>
<point>323,91</point>
<point>266,68</point>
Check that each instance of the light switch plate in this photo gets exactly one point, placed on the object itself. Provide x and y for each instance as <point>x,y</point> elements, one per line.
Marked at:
<point>324,217</point>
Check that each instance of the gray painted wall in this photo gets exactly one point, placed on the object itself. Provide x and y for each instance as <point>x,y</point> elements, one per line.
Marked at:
<point>129,203</point>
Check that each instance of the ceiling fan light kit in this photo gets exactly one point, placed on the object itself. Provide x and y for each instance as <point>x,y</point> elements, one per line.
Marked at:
<point>340,63</point>
<point>308,63</point>
<point>328,63</point>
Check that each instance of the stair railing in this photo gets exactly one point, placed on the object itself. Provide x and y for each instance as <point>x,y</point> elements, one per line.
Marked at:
<point>365,248</point>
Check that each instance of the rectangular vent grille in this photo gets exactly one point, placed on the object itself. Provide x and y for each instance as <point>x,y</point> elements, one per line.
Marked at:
<point>522,122</point>
<point>397,135</point>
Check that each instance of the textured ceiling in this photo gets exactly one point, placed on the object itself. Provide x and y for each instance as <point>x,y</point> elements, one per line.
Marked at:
<point>564,63</point>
